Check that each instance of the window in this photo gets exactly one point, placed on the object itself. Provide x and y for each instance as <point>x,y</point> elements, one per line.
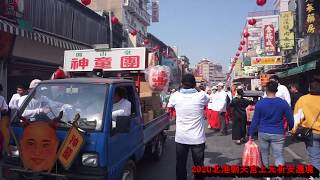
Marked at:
<point>48,100</point>
<point>124,102</point>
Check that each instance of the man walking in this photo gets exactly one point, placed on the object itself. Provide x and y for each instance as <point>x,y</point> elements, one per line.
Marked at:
<point>13,104</point>
<point>295,94</point>
<point>189,104</point>
<point>268,120</point>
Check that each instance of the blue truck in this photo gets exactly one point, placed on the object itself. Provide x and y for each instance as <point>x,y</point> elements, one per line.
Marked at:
<point>112,146</point>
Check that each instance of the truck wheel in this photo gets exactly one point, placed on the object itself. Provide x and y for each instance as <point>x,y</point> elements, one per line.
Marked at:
<point>159,146</point>
<point>129,171</point>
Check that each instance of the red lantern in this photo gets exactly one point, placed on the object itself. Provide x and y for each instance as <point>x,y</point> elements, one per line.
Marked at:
<point>252,21</point>
<point>134,32</point>
<point>146,41</point>
<point>242,42</point>
<point>158,78</point>
<point>246,34</point>
<point>238,54</point>
<point>86,2</point>
<point>240,48</point>
<point>114,20</point>
<point>261,2</point>
<point>59,74</point>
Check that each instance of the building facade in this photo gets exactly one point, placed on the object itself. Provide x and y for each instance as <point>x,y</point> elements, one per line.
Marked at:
<point>133,14</point>
<point>209,71</point>
<point>33,43</point>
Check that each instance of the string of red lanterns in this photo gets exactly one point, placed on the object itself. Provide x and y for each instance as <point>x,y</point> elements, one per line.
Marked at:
<point>252,22</point>
<point>261,2</point>
<point>134,32</point>
<point>245,34</point>
<point>114,20</point>
<point>86,2</point>
<point>146,41</point>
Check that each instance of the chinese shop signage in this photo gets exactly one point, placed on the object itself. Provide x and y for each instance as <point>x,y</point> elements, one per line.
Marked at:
<point>312,16</point>
<point>70,147</point>
<point>111,60</point>
<point>269,40</point>
<point>286,33</point>
<point>267,60</point>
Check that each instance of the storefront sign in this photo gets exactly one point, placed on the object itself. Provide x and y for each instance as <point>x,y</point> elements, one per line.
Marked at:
<point>155,11</point>
<point>312,16</point>
<point>70,147</point>
<point>269,40</point>
<point>268,60</point>
<point>118,59</point>
<point>286,33</point>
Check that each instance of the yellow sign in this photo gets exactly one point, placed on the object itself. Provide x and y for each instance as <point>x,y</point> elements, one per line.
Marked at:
<point>70,147</point>
<point>268,60</point>
<point>286,33</point>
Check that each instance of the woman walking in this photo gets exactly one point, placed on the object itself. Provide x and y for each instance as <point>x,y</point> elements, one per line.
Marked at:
<point>238,108</point>
<point>306,113</point>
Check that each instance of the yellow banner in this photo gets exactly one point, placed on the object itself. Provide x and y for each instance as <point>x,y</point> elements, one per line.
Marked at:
<point>70,147</point>
<point>268,60</point>
<point>286,30</point>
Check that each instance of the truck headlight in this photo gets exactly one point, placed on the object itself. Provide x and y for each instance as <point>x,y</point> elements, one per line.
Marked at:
<point>90,159</point>
<point>14,151</point>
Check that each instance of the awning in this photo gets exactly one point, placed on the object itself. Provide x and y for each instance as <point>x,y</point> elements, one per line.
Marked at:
<point>42,37</point>
<point>297,70</point>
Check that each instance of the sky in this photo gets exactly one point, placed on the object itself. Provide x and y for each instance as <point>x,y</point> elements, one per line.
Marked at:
<point>204,28</point>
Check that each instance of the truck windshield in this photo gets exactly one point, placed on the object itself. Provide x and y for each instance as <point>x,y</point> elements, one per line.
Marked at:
<point>48,100</point>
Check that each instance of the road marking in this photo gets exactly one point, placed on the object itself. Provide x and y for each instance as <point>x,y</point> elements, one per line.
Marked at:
<point>295,155</point>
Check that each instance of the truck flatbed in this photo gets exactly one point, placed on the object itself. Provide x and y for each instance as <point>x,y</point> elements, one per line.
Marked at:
<point>154,127</point>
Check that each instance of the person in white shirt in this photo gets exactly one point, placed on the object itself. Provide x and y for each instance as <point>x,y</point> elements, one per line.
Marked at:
<point>121,106</point>
<point>213,116</point>
<point>34,83</point>
<point>13,104</point>
<point>283,91</point>
<point>189,104</point>
<point>221,107</point>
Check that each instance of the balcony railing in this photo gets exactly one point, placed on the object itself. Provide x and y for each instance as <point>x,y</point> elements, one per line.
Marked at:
<point>142,15</point>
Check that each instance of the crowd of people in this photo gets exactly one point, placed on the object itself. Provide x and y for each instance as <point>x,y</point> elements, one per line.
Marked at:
<point>272,117</point>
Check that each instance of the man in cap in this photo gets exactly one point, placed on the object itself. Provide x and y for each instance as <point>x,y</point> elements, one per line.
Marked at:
<point>221,107</point>
<point>189,104</point>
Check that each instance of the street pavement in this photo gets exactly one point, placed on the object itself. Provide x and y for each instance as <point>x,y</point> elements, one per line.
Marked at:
<point>219,150</point>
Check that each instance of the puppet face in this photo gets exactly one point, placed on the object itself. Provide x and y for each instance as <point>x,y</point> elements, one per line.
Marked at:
<point>39,144</point>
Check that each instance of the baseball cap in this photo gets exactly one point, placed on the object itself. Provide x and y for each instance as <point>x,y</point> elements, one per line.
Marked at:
<point>34,83</point>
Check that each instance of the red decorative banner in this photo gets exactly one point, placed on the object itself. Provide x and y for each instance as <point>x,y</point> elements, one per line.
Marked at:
<point>269,40</point>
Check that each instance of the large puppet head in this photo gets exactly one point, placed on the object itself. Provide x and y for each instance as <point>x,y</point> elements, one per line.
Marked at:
<point>39,144</point>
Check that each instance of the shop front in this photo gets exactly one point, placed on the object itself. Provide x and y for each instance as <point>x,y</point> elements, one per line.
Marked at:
<point>26,55</point>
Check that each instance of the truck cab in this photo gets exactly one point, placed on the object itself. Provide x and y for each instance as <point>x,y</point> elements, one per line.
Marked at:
<point>112,144</point>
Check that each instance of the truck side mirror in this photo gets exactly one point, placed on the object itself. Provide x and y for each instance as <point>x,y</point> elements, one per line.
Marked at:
<point>123,124</point>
